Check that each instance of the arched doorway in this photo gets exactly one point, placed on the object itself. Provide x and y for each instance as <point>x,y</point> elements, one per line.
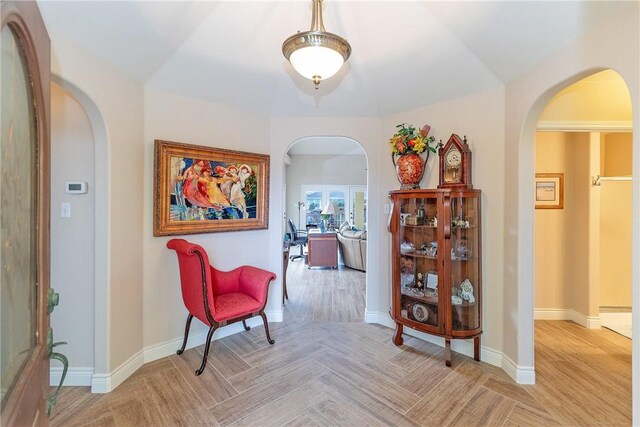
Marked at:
<point>523,257</point>
<point>325,185</point>
<point>85,113</point>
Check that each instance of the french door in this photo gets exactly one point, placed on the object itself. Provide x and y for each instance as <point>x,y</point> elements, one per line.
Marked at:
<point>349,204</point>
<point>24,214</point>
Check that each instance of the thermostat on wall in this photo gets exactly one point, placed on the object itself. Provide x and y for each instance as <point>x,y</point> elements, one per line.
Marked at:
<point>75,187</point>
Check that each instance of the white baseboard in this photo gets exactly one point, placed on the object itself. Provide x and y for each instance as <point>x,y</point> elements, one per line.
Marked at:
<point>75,376</point>
<point>616,318</point>
<point>167,348</point>
<point>590,322</point>
<point>521,375</point>
<point>104,383</point>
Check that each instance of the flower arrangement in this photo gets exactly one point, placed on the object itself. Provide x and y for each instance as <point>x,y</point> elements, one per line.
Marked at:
<point>407,141</point>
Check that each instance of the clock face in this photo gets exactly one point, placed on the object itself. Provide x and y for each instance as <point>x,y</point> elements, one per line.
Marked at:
<point>453,158</point>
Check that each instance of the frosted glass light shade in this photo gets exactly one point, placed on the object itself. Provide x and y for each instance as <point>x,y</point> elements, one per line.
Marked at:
<point>316,54</point>
<point>316,61</point>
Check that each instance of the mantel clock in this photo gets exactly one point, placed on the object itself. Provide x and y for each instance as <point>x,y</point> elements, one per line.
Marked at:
<point>455,163</point>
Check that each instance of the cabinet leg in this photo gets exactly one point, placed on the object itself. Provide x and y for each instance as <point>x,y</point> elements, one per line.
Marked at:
<point>476,349</point>
<point>447,351</point>
<point>397,336</point>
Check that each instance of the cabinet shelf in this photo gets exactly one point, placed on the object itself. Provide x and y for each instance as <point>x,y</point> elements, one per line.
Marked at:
<point>432,227</point>
<point>471,227</point>
<point>419,255</point>
<point>425,299</point>
<point>429,313</point>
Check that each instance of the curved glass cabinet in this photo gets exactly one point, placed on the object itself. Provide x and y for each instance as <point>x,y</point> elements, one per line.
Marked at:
<point>437,264</point>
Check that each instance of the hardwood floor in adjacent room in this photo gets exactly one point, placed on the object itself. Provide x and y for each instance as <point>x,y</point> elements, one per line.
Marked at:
<point>347,373</point>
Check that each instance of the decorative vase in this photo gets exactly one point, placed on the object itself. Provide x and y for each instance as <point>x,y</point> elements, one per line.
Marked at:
<point>409,169</point>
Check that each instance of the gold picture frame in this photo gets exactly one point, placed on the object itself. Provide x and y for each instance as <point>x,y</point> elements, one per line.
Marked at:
<point>200,189</point>
<point>549,191</point>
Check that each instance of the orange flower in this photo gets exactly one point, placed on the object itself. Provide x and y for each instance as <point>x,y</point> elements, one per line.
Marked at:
<point>400,146</point>
<point>412,143</point>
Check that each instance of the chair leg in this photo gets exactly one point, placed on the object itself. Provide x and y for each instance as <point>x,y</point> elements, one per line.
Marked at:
<point>266,327</point>
<point>186,333</point>
<point>206,350</point>
<point>246,328</point>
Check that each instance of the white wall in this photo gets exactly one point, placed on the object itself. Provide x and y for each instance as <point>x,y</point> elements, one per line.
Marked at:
<point>481,118</point>
<point>175,118</point>
<point>614,44</point>
<point>114,105</point>
<point>321,170</point>
<point>366,131</point>
<point>72,239</point>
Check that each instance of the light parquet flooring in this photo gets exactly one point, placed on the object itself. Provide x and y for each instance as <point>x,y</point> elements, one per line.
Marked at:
<point>348,373</point>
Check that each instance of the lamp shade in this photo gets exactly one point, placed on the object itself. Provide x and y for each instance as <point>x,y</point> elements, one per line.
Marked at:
<point>316,54</point>
<point>329,209</point>
<point>316,62</point>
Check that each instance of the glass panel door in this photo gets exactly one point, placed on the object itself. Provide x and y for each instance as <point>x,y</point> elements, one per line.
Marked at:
<point>313,202</point>
<point>18,215</point>
<point>419,254</point>
<point>465,264</point>
<point>358,206</point>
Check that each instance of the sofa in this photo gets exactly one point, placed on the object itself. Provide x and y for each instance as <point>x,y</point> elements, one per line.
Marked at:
<point>353,248</point>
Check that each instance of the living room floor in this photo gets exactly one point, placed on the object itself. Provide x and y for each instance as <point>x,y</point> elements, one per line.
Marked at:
<point>328,368</point>
<point>324,294</point>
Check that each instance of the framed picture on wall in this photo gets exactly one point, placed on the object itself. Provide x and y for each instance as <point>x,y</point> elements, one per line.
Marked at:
<point>201,189</point>
<point>549,190</point>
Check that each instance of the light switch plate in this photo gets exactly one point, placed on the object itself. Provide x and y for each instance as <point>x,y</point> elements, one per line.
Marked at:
<point>65,210</point>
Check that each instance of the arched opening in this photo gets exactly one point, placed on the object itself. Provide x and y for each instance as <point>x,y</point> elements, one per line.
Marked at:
<point>589,130</point>
<point>79,123</point>
<point>325,196</point>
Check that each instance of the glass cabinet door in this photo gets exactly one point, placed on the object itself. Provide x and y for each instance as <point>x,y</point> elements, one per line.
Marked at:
<point>419,276</point>
<point>465,263</point>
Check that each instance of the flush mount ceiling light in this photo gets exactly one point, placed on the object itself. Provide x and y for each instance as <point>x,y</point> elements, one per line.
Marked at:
<point>316,54</point>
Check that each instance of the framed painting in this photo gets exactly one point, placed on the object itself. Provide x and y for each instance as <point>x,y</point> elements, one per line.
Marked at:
<point>201,189</point>
<point>549,190</point>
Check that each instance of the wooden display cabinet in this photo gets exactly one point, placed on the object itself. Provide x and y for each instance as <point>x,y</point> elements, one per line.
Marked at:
<point>437,264</point>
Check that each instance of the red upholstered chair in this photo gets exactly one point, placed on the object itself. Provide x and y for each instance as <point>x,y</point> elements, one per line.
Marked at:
<point>219,298</point>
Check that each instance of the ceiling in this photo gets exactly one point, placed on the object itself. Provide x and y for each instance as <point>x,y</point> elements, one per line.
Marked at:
<point>405,53</point>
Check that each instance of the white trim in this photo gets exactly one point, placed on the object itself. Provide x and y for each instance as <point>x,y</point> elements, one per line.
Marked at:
<point>167,348</point>
<point>616,318</point>
<point>104,383</point>
<point>520,374</point>
<point>589,322</point>
<point>585,126</point>
<point>75,376</point>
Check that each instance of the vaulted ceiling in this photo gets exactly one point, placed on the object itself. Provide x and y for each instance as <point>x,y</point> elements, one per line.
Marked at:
<point>405,53</point>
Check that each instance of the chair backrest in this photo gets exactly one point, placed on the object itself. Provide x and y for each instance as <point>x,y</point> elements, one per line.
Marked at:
<point>195,279</point>
<point>293,229</point>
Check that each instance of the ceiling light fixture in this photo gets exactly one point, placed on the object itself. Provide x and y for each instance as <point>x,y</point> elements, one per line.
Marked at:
<point>316,54</point>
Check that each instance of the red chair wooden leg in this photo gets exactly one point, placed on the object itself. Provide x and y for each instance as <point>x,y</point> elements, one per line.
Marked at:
<point>206,350</point>
<point>186,334</point>
<point>246,328</point>
<point>266,327</point>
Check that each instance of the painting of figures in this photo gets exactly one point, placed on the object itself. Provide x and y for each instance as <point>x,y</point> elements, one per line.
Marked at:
<point>202,189</point>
